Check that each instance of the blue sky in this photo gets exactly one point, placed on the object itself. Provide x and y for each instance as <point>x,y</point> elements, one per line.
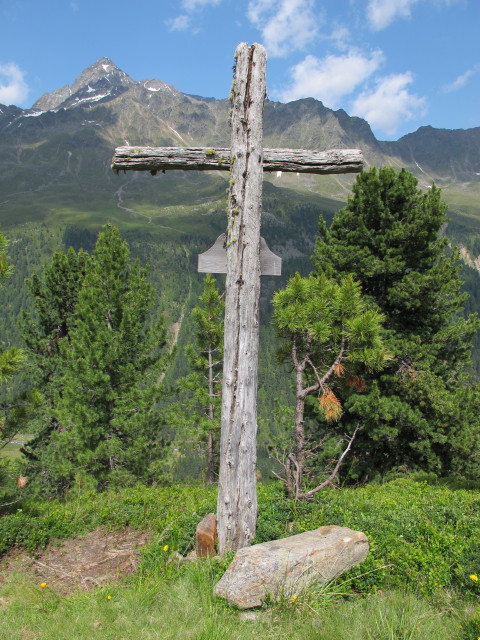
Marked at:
<point>400,64</point>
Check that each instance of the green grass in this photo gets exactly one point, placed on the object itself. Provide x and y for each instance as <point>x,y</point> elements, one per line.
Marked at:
<point>415,582</point>
<point>183,606</point>
<point>13,450</point>
<point>426,535</point>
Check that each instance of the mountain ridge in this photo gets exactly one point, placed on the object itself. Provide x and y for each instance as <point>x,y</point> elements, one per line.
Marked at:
<point>73,130</point>
<point>103,81</point>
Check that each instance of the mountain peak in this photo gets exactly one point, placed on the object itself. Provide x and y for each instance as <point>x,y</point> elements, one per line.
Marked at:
<point>101,79</point>
<point>102,70</point>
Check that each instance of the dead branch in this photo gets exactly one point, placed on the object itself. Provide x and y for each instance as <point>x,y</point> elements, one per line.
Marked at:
<point>54,569</point>
<point>309,494</point>
<point>282,463</point>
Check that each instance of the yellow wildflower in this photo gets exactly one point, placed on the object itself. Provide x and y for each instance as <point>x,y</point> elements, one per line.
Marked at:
<point>473,577</point>
<point>109,597</point>
<point>165,548</point>
<point>43,585</point>
<point>294,598</point>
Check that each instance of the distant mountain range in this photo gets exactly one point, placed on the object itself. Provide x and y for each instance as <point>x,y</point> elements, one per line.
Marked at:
<point>67,139</point>
<point>55,157</point>
<point>153,112</point>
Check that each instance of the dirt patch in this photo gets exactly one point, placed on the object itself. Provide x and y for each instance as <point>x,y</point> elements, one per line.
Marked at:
<point>97,558</point>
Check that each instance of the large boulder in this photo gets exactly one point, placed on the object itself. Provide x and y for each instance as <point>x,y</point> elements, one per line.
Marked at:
<point>283,568</point>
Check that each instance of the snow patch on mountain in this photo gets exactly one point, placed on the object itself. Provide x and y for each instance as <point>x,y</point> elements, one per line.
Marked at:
<point>91,98</point>
<point>35,114</point>
<point>158,85</point>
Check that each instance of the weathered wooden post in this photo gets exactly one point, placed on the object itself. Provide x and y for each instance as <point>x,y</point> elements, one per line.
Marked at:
<point>237,496</point>
<point>246,159</point>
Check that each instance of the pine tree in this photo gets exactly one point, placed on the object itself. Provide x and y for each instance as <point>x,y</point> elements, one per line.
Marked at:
<point>54,295</point>
<point>330,337</point>
<point>197,415</point>
<point>106,379</point>
<point>10,361</point>
<point>388,237</point>
<point>12,358</point>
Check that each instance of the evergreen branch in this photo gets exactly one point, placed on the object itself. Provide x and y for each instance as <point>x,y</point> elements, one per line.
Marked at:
<point>14,406</point>
<point>337,361</point>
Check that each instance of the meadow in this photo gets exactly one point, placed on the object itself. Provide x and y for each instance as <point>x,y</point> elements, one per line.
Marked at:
<point>419,581</point>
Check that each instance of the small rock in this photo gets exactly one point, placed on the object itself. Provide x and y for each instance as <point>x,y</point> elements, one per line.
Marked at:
<point>191,556</point>
<point>206,537</point>
<point>250,616</point>
<point>175,557</point>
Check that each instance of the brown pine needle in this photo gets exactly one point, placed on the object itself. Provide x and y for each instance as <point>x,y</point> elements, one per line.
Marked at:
<point>338,369</point>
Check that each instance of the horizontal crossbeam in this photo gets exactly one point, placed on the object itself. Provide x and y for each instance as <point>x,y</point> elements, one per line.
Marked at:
<point>155,159</point>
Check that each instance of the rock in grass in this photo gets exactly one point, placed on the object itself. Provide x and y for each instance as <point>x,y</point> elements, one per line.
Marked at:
<point>283,568</point>
<point>206,537</point>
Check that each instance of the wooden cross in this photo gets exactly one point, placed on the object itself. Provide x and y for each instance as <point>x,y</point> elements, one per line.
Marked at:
<point>246,159</point>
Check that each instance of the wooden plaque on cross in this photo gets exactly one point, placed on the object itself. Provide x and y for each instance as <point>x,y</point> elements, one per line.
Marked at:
<point>246,159</point>
<point>214,260</point>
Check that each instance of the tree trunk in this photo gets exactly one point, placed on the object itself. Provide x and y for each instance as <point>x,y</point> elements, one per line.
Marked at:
<point>299,429</point>
<point>211,415</point>
<point>237,498</point>
<point>210,459</point>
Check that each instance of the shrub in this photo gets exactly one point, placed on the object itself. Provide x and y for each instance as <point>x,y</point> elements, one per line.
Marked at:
<point>426,535</point>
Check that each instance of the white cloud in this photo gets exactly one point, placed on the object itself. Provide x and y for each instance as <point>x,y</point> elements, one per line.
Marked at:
<point>183,21</point>
<point>13,88</point>
<point>180,23</point>
<point>389,104</point>
<point>331,78</point>
<point>381,13</point>
<point>286,25</point>
<point>341,37</point>
<point>193,5</point>
<point>462,79</point>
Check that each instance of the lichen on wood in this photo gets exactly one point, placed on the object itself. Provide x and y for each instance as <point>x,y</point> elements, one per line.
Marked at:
<point>199,158</point>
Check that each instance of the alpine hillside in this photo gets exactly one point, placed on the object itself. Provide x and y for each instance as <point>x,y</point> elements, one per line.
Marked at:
<point>64,143</point>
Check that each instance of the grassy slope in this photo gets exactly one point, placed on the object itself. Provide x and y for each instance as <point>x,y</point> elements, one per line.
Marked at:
<point>186,608</point>
<point>426,535</point>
